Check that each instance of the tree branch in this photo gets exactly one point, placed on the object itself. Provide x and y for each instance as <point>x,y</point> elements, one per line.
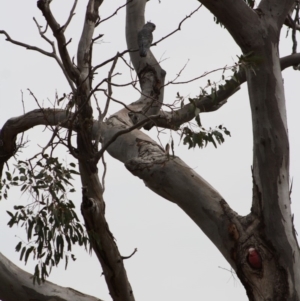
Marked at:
<point>116,11</point>
<point>27,46</point>
<point>151,75</point>
<point>85,41</point>
<point>179,26</point>
<point>109,87</point>
<point>172,120</point>
<point>50,54</point>
<point>16,284</point>
<point>44,6</point>
<point>70,16</point>
<point>213,102</point>
<point>279,8</point>
<point>229,13</point>
<point>55,56</point>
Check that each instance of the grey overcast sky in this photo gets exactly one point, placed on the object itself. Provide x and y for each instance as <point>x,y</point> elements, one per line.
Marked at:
<point>175,260</point>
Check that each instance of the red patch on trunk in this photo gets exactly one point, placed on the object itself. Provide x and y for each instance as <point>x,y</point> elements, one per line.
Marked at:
<point>254,259</point>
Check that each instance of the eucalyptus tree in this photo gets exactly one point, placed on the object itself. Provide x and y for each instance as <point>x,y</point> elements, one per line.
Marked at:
<point>261,247</point>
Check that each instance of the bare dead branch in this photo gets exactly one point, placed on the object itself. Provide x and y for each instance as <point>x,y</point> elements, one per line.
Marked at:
<point>154,44</point>
<point>118,101</point>
<point>201,76</point>
<point>127,257</point>
<point>120,54</point>
<point>27,46</point>
<point>179,26</point>
<point>99,36</point>
<point>116,11</point>
<point>64,27</point>
<point>126,63</point>
<point>56,130</point>
<point>289,22</point>
<point>104,173</point>
<point>55,56</point>
<point>42,33</point>
<point>73,73</point>
<point>70,147</point>
<point>109,87</point>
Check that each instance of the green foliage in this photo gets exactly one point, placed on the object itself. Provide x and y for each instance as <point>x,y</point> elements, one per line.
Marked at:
<point>50,221</point>
<point>203,137</point>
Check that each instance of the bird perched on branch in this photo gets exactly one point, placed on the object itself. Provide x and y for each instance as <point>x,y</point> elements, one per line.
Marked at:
<point>145,38</point>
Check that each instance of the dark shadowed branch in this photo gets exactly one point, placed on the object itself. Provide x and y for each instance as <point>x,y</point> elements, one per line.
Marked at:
<point>57,30</point>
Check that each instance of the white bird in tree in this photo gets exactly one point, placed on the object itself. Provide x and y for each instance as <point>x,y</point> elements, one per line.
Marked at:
<point>145,38</point>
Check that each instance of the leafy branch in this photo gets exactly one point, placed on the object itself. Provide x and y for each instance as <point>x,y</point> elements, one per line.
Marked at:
<point>50,222</point>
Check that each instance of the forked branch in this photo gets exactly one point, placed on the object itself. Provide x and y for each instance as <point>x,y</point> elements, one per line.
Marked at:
<point>58,32</point>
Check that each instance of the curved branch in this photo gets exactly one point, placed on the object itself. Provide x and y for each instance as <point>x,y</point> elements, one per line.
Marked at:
<point>16,284</point>
<point>72,13</point>
<point>171,120</point>
<point>20,124</point>
<point>113,14</point>
<point>170,178</point>
<point>179,26</point>
<point>27,46</point>
<point>150,74</point>
<point>228,12</point>
<point>50,54</point>
<point>213,102</point>
<point>44,6</point>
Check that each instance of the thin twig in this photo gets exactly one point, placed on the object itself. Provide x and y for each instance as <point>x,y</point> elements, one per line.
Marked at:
<point>57,31</point>
<point>110,60</point>
<point>127,257</point>
<point>198,77</point>
<point>54,134</point>
<point>64,27</point>
<point>154,44</point>
<point>42,33</point>
<point>98,135</point>
<point>126,63</point>
<point>179,26</point>
<point>59,62</point>
<point>109,87</point>
<point>23,105</point>
<point>104,173</point>
<point>119,102</point>
<point>27,46</point>
<point>114,12</point>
